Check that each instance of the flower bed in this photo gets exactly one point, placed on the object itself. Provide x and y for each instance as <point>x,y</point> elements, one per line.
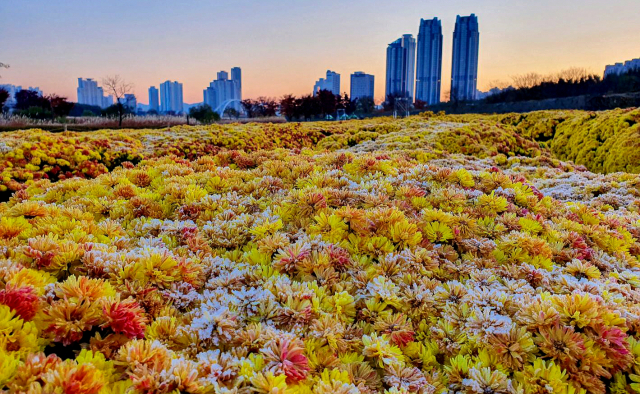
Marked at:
<point>298,271</point>
<point>603,142</point>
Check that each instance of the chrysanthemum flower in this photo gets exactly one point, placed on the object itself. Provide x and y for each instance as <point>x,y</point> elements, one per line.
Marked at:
<point>67,321</point>
<point>562,344</point>
<point>125,317</point>
<point>67,377</point>
<point>396,327</point>
<point>284,355</point>
<point>269,383</point>
<point>378,347</point>
<point>23,300</point>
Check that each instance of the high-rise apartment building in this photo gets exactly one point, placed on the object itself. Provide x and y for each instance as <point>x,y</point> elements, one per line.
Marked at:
<point>223,92</point>
<point>171,97</point>
<point>621,68</point>
<point>130,102</point>
<point>154,99</point>
<point>13,90</point>
<point>90,93</point>
<point>464,70</point>
<point>361,85</point>
<point>429,67</point>
<point>331,83</point>
<point>401,64</point>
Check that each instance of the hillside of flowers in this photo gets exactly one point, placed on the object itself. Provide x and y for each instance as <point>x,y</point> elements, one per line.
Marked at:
<point>604,142</point>
<point>435,254</point>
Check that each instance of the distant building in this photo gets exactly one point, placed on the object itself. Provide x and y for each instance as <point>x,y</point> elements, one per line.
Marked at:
<point>429,68</point>
<point>331,83</point>
<point>361,85</point>
<point>154,100</point>
<point>223,92</point>
<point>621,68</point>
<point>236,75</point>
<point>13,90</point>
<point>401,61</point>
<point>90,93</point>
<point>171,97</point>
<point>480,95</point>
<point>130,102</point>
<point>464,70</point>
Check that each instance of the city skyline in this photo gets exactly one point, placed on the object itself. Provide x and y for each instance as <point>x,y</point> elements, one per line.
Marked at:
<point>543,37</point>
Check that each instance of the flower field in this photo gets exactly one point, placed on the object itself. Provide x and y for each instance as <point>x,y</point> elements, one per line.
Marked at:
<point>433,254</point>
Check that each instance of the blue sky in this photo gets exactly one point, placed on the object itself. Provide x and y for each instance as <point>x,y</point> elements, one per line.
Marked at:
<point>284,46</point>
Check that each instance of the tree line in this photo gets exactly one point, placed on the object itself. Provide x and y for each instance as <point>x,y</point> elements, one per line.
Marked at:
<point>319,106</point>
<point>571,82</point>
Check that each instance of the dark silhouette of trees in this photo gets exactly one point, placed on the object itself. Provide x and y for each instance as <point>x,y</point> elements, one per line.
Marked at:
<point>59,106</point>
<point>574,81</point>
<point>117,87</point>
<point>4,96</point>
<point>365,105</point>
<point>26,99</point>
<point>390,103</point>
<point>322,105</point>
<point>260,107</point>
<point>232,112</point>
<point>85,110</point>
<point>309,107</point>
<point>327,102</point>
<point>31,104</point>
<point>419,104</point>
<point>288,107</point>
<point>203,114</point>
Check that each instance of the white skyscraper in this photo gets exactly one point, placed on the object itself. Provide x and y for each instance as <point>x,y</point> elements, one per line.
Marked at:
<point>171,97</point>
<point>361,85</point>
<point>330,83</point>
<point>90,93</point>
<point>223,92</point>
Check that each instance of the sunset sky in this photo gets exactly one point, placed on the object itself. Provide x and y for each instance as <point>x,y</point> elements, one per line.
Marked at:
<point>284,46</point>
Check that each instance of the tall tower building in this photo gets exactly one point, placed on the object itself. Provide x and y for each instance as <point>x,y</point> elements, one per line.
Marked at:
<point>464,71</point>
<point>401,64</point>
<point>154,101</point>
<point>361,85</point>
<point>236,76</point>
<point>330,83</point>
<point>429,68</point>
<point>171,97</point>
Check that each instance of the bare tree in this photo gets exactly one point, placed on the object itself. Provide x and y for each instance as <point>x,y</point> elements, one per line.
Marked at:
<point>498,84</point>
<point>574,74</point>
<point>527,80</point>
<point>4,65</point>
<point>118,88</point>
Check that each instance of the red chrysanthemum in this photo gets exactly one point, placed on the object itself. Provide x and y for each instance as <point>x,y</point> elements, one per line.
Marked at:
<point>21,299</point>
<point>286,356</point>
<point>125,317</point>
